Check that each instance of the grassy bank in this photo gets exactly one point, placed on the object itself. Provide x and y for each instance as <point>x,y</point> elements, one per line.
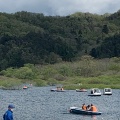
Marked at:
<point>85,73</point>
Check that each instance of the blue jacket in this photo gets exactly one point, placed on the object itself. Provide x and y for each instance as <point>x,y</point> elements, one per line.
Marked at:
<point>8,115</point>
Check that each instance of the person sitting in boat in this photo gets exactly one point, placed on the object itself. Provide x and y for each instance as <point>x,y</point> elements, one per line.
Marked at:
<point>95,91</point>
<point>93,108</point>
<point>58,88</point>
<point>84,106</point>
<point>88,108</point>
<point>91,91</point>
<point>62,88</point>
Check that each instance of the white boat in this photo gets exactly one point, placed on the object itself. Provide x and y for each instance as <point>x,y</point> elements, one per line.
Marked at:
<point>107,91</point>
<point>95,92</point>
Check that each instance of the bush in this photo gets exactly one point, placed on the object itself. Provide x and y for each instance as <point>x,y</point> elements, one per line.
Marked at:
<point>65,70</point>
<point>48,72</point>
<point>21,73</point>
<point>39,82</point>
<point>8,73</point>
<point>115,67</point>
<point>25,73</point>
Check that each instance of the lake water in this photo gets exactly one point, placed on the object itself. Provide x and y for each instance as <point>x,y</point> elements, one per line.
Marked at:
<point>39,103</point>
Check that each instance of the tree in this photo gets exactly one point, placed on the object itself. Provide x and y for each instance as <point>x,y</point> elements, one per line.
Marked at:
<point>105,29</point>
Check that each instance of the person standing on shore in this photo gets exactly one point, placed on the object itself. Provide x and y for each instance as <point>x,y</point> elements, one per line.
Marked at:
<point>9,113</point>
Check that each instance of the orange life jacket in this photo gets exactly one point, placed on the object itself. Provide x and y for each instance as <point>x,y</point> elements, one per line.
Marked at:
<point>94,109</point>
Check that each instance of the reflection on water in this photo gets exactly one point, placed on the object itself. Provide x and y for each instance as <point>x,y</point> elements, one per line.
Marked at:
<point>90,117</point>
<point>39,103</point>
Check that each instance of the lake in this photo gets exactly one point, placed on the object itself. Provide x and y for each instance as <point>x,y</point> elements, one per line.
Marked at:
<point>39,103</point>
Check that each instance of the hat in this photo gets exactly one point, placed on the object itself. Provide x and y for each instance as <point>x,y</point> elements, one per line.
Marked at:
<point>11,106</point>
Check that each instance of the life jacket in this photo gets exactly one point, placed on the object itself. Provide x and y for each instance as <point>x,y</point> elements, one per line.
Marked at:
<point>94,109</point>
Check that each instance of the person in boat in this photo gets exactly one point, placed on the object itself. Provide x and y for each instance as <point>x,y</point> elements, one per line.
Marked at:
<point>91,91</point>
<point>95,91</point>
<point>62,88</point>
<point>9,113</point>
<point>93,108</point>
<point>58,88</point>
<point>88,108</point>
<point>84,106</point>
<point>82,89</point>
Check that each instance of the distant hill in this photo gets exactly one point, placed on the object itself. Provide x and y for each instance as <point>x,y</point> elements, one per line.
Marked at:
<point>34,38</point>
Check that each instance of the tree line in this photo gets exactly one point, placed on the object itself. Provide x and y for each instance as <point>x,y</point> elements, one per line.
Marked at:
<point>27,37</point>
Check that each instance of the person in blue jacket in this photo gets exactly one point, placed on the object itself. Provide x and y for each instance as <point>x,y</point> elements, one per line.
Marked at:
<point>9,113</point>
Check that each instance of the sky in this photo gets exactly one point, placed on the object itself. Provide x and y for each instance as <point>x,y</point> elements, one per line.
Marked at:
<point>60,7</point>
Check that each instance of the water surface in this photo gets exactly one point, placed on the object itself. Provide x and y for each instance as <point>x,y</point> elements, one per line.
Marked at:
<point>39,103</point>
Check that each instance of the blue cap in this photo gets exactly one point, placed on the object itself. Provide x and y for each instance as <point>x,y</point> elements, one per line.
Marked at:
<point>11,106</point>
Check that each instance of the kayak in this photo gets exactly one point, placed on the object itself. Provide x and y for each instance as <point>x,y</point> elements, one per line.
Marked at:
<point>77,110</point>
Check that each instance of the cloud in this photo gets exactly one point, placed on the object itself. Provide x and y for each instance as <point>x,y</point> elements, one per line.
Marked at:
<point>60,7</point>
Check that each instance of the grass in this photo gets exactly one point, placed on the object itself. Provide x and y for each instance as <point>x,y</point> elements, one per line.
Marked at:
<point>93,82</point>
<point>9,83</point>
<point>85,73</point>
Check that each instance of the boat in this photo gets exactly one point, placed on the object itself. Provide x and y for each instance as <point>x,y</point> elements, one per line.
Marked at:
<point>55,90</point>
<point>77,110</point>
<point>25,87</point>
<point>81,90</point>
<point>58,89</point>
<point>107,91</point>
<point>95,92</point>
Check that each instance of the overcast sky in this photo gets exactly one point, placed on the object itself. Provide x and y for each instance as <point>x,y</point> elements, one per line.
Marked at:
<point>60,7</point>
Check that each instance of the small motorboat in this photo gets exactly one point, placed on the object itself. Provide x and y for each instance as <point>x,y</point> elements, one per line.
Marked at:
<point>58,89</point>
<point>95,92</point>
<point>81,90</point>
<point>77,110</point>
<point>25,87</point>
<point>107,91</point>
<point>55,90</point>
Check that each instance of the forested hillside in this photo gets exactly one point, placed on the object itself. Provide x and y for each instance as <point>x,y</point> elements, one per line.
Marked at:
<point>34,38</point>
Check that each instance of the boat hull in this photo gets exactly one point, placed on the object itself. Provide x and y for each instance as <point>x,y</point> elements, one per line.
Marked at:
<point>81,90</point>
<point>25,87</point>
<point>55,90</point>
<point>94,95</point>
<point>76,110</point>
<point>107,94</point>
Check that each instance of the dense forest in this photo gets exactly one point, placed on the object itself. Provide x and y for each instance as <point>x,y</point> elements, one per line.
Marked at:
<point>37,39</point>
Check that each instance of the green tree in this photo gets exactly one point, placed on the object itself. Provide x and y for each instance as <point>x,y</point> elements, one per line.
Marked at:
<point>105,29</point>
